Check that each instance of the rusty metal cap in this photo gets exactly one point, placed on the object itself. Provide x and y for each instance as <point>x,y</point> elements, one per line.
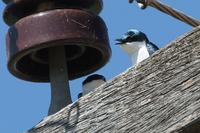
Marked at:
<point>83,34</point>
<point>17,9</point>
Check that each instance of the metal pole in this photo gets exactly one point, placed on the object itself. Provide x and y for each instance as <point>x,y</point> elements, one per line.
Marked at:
<point>60,91</point>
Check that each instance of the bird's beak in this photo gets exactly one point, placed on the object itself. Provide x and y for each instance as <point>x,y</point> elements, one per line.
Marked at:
<point>119,41</point>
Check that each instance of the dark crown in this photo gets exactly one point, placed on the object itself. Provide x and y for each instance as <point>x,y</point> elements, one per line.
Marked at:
<point>93,77</point>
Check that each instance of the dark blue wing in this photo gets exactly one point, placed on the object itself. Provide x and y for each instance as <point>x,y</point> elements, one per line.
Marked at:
<point>151,48</point>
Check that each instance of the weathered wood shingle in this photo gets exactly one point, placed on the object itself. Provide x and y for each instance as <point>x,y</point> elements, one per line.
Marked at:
<point>159,95</point>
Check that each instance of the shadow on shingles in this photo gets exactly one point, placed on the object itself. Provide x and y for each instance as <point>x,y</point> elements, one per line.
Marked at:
<point>193,127</point>
<point>68,123</point>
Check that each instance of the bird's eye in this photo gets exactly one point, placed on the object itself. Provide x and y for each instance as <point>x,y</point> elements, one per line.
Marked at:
<point>131,1</point>
<point>130,33</point>
<point>129,39</point>
<point>140,1</point>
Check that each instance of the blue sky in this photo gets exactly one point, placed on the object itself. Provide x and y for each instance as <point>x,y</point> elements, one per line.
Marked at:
<point>23,104</point>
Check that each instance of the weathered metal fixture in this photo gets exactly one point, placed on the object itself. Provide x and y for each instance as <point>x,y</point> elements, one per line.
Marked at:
<point>53,41</point>
<point>83,34</point>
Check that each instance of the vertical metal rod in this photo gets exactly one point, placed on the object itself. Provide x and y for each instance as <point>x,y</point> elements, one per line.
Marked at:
<point>60,91</point>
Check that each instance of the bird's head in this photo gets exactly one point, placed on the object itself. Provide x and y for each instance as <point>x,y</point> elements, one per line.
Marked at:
<point>132,41</point>
<point>132,36</point>
<point>92,82</point>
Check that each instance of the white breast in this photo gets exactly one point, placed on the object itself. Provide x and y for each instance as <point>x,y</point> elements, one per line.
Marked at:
<point>142,54</point>
<point>137,51</point>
